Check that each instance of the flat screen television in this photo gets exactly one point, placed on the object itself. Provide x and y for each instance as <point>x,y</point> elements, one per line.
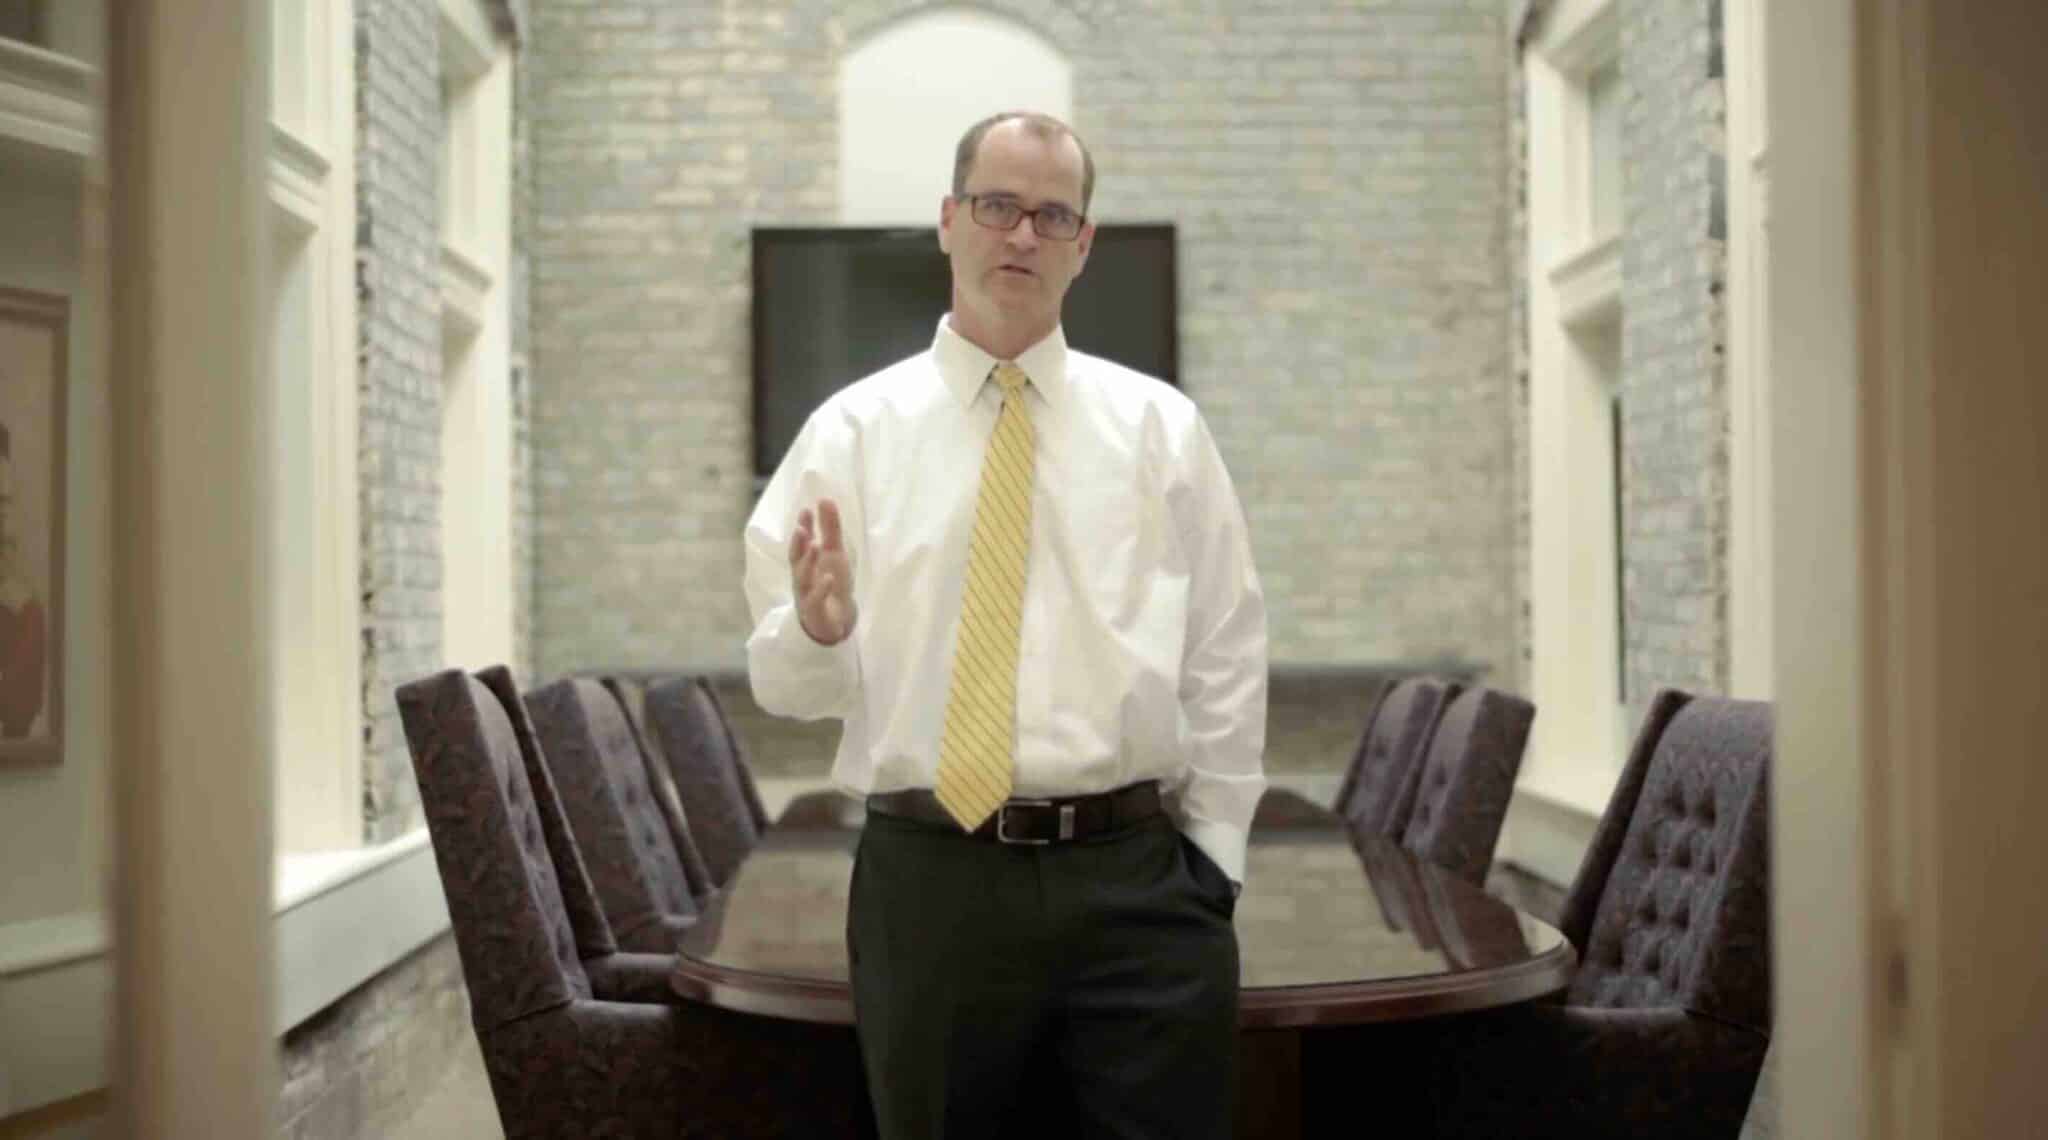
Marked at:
<point>834,305</point>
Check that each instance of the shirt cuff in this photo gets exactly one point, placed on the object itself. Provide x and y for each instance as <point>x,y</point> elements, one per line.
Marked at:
<point>1223,843</point>
<point>795,675</point>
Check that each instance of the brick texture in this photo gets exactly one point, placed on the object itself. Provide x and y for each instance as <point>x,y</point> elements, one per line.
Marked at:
<point>399,125</point>
<point>1522,668</point>
<point>362,1066</point>
<point>1338,174</point>
<point>1674,341</point>
<point>522,361</point>
<point>398,259</point>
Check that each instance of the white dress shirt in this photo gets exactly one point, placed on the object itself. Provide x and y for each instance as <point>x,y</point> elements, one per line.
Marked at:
<point>1143,644</point>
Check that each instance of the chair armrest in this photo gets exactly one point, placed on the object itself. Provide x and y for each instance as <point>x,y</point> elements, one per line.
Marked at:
<point>658,936</point>
<point>630,977</point>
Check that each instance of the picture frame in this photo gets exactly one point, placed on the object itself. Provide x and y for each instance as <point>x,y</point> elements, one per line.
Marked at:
<point>35,335</point>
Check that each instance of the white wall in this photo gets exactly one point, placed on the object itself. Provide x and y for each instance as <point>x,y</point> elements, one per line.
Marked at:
<point>53,818</point>
<point>908,92</point>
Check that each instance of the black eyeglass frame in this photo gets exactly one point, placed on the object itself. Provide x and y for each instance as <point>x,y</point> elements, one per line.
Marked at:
<point>974,202</point>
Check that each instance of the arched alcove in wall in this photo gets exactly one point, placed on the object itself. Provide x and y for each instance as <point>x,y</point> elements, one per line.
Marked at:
<point>908,90</point>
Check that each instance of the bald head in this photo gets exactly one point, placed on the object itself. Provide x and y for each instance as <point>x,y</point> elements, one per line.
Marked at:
<point>1038,125</point>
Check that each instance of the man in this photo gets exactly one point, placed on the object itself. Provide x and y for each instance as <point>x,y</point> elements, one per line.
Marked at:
<point>1020,576</point>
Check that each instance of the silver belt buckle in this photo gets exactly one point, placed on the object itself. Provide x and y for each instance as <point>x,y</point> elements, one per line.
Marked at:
<point>1003,823</point>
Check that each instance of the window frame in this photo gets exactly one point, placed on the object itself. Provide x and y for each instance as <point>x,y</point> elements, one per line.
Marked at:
<point>311,173</point>
<point>1575,301</point>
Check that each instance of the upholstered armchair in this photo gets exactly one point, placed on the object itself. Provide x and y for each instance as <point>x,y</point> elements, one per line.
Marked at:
<point>632,697</point>
<point>1397,729</point>
<point>1374,795</point>
<point>756,808</point>
<point>561,1062</point>
<point>615,974</point>
<point>1665,1024</point>
<point>826,809</point>
<point>1455,804</point>
<point>615,817</point>
<point>710,776</point>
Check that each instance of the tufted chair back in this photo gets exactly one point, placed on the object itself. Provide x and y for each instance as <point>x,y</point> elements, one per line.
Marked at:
<point>738,754</point>
<point>1455,805</point>
<point>613,814</point>
<point>632,698</point>
<point>705,762</point>
<point>1671,907</point>
<point>594,938</point>
<point>1397,733</point>
<point>488,823</point>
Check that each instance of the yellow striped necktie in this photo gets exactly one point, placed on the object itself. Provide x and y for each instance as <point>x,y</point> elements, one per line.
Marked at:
<point>975,748</point>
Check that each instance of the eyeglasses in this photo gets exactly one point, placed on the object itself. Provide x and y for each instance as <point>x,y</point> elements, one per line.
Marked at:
<point>1056,223</point>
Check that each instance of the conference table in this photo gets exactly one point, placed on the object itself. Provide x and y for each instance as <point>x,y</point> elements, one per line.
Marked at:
<point>1336,928</point>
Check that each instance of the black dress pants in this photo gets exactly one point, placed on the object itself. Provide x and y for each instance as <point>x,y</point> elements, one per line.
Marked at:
<point>1089,985</point>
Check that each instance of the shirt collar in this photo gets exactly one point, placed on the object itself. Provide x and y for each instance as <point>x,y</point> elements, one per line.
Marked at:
<point>964,366</point>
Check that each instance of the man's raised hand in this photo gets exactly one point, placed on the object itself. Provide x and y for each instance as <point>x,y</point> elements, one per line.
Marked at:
<point>821,575</point>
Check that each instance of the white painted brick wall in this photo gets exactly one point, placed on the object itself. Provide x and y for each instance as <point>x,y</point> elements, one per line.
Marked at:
<point>398,257</point>
<point>1674,338</point>
<point>1339,176</point>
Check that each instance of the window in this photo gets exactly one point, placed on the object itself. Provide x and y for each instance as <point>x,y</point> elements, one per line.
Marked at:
<point>312,194</point>
<point>476,410</point>
<point>1603,150</point>
<point>1577,475</point>
<point>293,86</point>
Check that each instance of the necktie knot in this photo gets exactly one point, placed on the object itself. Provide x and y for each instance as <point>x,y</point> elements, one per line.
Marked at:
<point>1010,378</point>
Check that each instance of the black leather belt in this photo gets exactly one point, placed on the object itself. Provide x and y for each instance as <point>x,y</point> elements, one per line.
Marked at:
<point>1034,822</point>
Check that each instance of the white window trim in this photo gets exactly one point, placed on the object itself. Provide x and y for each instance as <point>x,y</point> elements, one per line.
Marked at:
<point>469,42</point>
<point>46,101</point>
<point>476,251</point>
<point>312,188</point>
<point>1574,283</point>
<point>469,53</point>
<point>1587,284</point>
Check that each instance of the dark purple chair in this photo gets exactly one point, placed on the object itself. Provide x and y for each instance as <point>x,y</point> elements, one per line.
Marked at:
<point>1664,1027</point>
<point>615,974</point>
<point>1455,804</point>
<point>561,1062</point>
<point>827,809</point>
<point>1375,793</point>
<point>615,816</point>
<point>738,751</point>
<point>703,756</point>
<point>632,697</point>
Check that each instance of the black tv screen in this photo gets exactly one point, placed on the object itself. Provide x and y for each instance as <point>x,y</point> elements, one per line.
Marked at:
<point>834,305</point>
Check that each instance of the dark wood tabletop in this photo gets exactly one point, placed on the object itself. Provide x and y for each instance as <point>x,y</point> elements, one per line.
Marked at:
<point>1334,928</point>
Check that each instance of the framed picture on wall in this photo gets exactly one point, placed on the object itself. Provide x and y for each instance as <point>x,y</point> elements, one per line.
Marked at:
<point>35,331</point>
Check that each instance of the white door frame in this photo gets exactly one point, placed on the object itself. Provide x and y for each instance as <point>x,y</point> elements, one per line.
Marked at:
<point>189,140</point>
<point>1910,564</point>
